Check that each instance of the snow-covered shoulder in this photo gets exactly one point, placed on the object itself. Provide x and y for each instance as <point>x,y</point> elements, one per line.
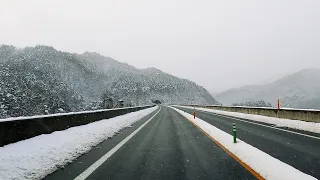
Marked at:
<point>280,122</point>
<point>265,165</point>
<point>37,157</point>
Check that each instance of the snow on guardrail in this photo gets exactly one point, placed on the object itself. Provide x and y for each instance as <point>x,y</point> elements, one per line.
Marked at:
<point>64,114</point>
<point>280,122</point>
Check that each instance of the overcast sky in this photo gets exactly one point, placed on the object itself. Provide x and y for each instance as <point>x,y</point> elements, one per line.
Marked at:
<point>219,44</point>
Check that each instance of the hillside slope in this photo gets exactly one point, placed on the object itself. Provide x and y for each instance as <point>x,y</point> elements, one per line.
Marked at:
<point>141,85</point>
<point>42,80</point>
<point>298,90</point>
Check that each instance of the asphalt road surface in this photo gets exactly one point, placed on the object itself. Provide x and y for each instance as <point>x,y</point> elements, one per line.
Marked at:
<point>168,147</point>
<point>299,151</point>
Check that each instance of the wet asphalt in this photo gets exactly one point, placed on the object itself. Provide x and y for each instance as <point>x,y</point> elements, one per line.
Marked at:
<point>299,151</point>
<point>168,147</point>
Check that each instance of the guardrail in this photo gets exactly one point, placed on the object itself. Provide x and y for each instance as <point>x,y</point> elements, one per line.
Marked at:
<point>16,129</point>
<point>286,113</point>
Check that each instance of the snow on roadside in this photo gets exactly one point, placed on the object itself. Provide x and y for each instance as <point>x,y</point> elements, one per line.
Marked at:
<point>21,118</point>
<point>267,166</point>
<point>37,157</point>
<point>294,124</point>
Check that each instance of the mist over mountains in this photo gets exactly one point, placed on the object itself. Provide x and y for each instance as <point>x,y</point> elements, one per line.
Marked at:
<point>298,90</point>
<point>42,80</point>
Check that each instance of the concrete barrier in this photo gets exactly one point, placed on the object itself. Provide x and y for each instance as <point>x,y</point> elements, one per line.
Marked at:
<point>16,129</point>
<point>296,114</point>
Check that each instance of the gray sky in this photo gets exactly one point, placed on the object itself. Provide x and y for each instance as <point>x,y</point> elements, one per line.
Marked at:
<point>219,44</point>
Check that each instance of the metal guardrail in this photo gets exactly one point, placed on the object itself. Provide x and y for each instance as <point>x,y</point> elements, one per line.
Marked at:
<point>310,115</point>
<point>16,129</point>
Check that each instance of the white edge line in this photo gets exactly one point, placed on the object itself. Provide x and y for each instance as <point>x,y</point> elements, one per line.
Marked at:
<point>248,121</point>
<point>85,174</point>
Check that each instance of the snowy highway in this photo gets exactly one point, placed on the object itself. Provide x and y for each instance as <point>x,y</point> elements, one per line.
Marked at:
<point>164,142</point>
<point>168,147</point>
<point>165,145</point>
<point>297,150</point>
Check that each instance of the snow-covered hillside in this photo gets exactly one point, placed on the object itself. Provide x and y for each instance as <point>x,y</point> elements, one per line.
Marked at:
<point>42,80</point>
<point>141,85</point>
<point>298,90</point>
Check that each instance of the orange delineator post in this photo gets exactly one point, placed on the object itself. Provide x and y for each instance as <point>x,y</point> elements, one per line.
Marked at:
<point>194,115</point>
<point>278,103</point>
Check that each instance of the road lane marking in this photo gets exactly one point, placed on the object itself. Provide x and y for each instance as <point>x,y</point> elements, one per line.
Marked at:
<point>248,168</point>
<point>85,174</point>
<point>270,126</point>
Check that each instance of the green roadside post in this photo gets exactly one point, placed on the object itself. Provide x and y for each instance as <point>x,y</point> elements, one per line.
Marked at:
<point>234,130</point>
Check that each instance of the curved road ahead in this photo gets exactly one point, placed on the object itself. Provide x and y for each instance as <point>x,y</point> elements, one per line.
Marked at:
<point>168,147</point>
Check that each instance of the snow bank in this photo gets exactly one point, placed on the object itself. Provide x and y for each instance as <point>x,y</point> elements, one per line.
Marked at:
<point>294,124</point>
<point>268,167</point>
<point>37,157</point>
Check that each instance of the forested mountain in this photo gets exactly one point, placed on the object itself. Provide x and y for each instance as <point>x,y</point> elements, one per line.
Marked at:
<point>298,90</point>
<point>42,80</point>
